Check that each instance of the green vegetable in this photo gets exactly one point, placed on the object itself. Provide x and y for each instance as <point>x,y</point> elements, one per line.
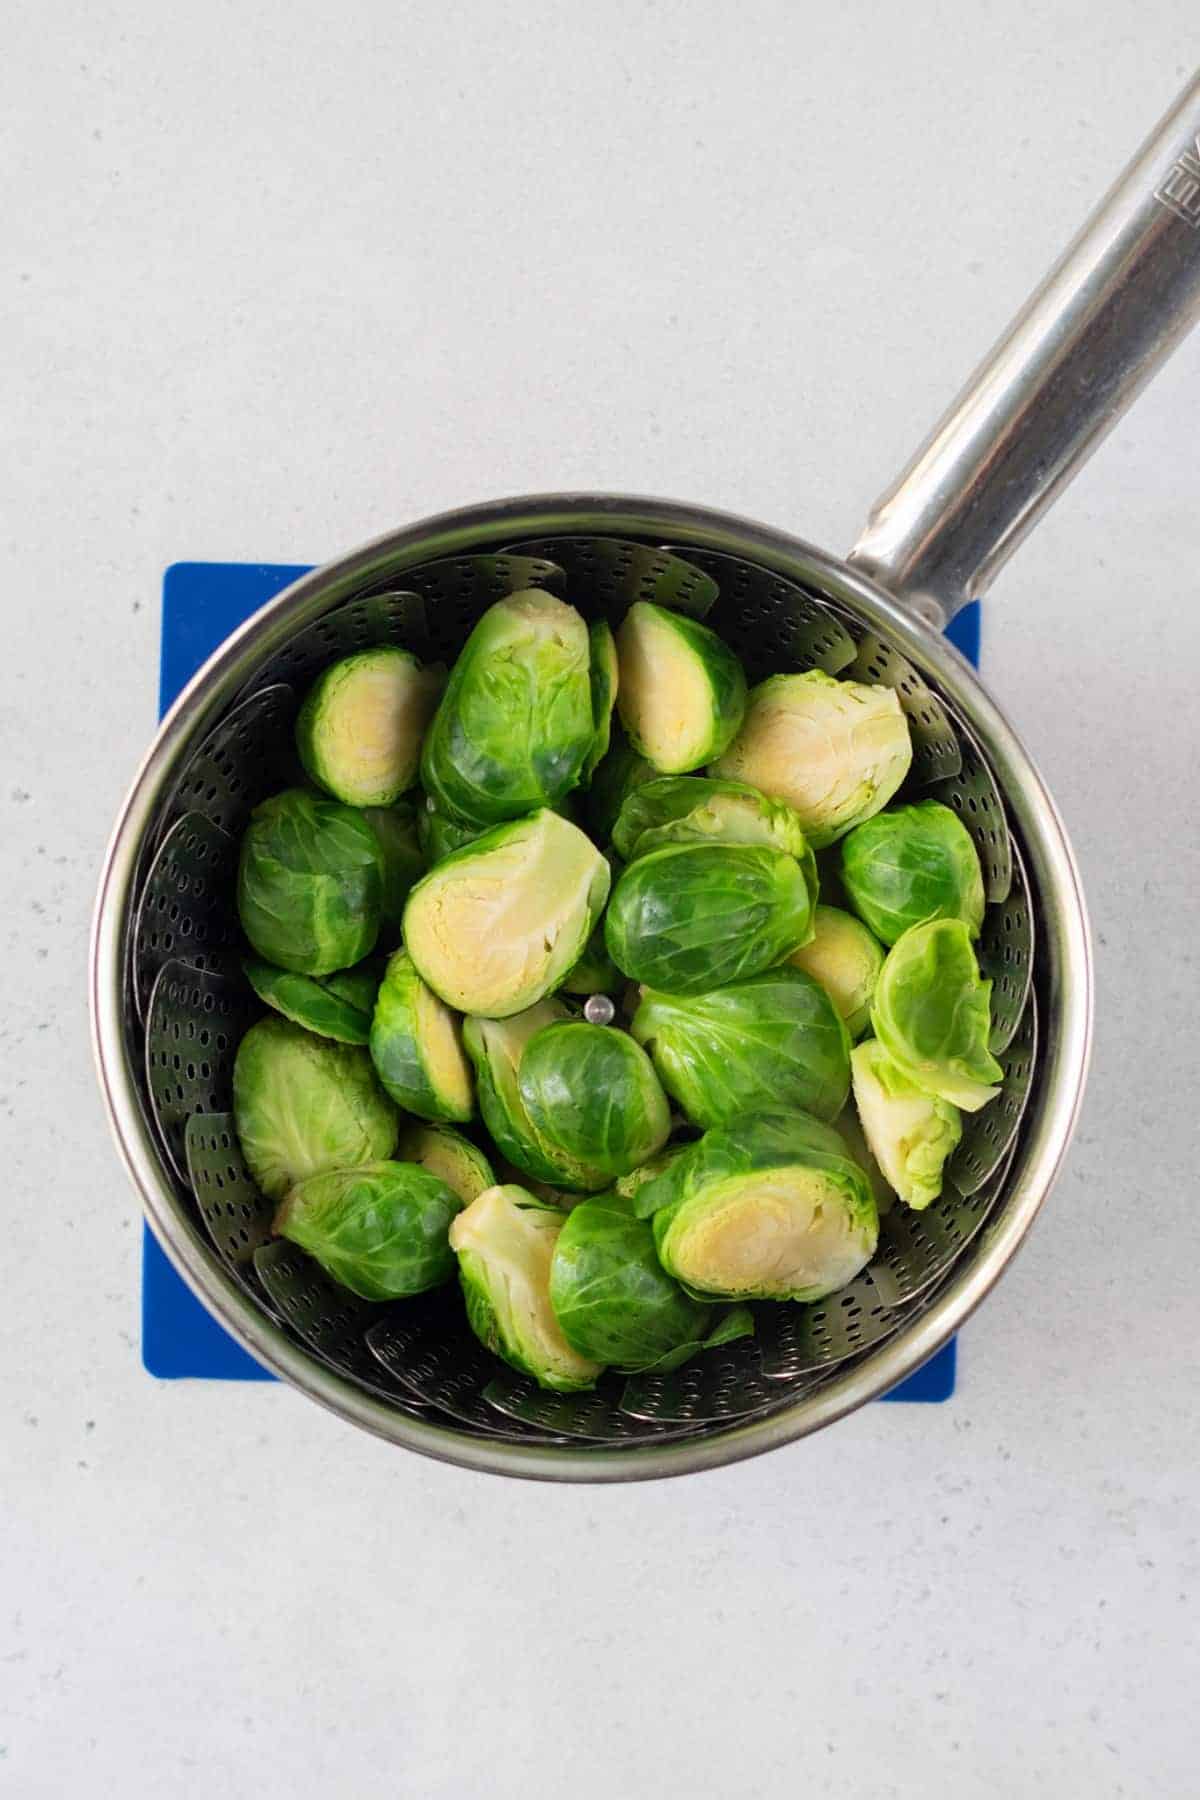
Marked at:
<point>592,1094</point>
<point>835,751</point>
<point>911,864</point>
<point>502,922</point>
<point>910,1133</point>
<point>595,972</point>
<point>848,1127</point>
<point>450,1156</point>
<point>416,1046</point>
<point>333,1006</point>
<point>381,1230</point>
<point>603,676</point>
<point>310,883</point>
<point>696,809</point>
<point>774,1040</point>
<point>359,731</point>
<point>682,692</point>
<point>505,1245</point>
<point>403,858</point>
<point>629,1185</point>
<point>303,1104</point>
<point>932,1014</point>
<point>846,960</point>
<point>496,1047</point>
<point>614,778</point>
<point>440,836</point>
<point>692,917</point>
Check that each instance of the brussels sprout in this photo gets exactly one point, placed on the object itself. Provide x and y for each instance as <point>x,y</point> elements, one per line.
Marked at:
<point>310,883</point>
<point>629,1185</point>
<point>450,1156</point>
<point>696,809</point>
<point>496,1047</point>
<point>416,1046</point>
<point>403,858</point>
<point>836,751</point>
<point>848,1127</point>
<point>682,692</point>
<point>333,1006</point>
<point>602,670</point>
<point>303,1104</point>
<point>692,917</point>
<point>359,731</point>
<point>515,723</point>
<point>505,1245</point>
<point>617,1304</point>
<point>381,1230</point>
<point>910,1133</point>
<point>592,1093</point>
<point>932,1014</point>
<point>613,779</point>
<point>503,922</point>
<point>846,960</point>
<point>595,972</point>
<point>770,1209</point>
<point>912,864</point>
<point>773,1040</point>
<point>440,836</point>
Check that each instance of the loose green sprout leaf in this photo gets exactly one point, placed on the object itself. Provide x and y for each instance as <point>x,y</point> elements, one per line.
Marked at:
<point>682,692</point>
<point>310,883</point>
<point>403,858</point>
<point>912,864</point>
<point>382,1230</point>
<point>592,1094</point>
<point>505,1246</point>
<point>359,731</point>
<point>932,1014</point>
<point>846,960</point>
<point>773,1040</point>
<point>615,777</point>
<point>603,675</point>
<point>910,1133</point>
<point>416,1046</point>
<point>333,1006</point>
<point>835,751</point>
<point>450,1156</point>
<point>496,1047</point>
<point>303,1104</point>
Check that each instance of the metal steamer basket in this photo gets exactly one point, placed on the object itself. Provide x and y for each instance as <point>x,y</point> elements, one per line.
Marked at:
<point>169,1004</point>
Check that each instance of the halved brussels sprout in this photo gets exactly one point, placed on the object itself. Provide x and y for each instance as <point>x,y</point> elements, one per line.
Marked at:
<point>404,860</point>
<point>604,676</point>
<point>381,1230</point>
<point>698,809</point>
<point>773,1040</point>
<point>440,836</point>
<point>333,1006</point>
<point>846,960</point>
<point>592,1093</point>
<point>416,1046</point>
<point>616,1303</point>
<point>310,883</point>
<point>615,777</point>
<point>847,1126</point>
<point>682,692</point>
<point>692,917</point>
<point>505,1246</point>
<point>304,1104</point>
<point>359,731</point>
<point>496,1047</point>
<point>911,864</point>
<point>771,1209</point>
<point>502,922</point>
<point>450,1156</point>
<point>910,1133</point>
<point>515,723</point>
<point>932,1014</point>
<point>836,751</point>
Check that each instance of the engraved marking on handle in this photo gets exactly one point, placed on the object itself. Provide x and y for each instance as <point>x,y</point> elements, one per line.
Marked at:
<point>1180,189</point>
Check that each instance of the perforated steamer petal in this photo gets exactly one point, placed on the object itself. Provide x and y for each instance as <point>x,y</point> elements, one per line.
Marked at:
<point>167,1006</point>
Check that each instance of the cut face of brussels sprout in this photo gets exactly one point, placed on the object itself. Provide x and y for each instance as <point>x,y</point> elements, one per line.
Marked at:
<point>416,1046</point>
<point>835,751</point>
<point>615,776</point>
<point>603,675</point>
<point>592,1093</point>
<point>502,923</point>
<point>496,1047</point>
<point>932,1014</point>
<point>845,959</point>
<point>450,1156</point>
<point>303,1104</point>
<point>912,864</point>
<point>333,1006</point>
<point>310,883</point>
<point>515,723</point>
<point>692,917</point>
<point>505,1246</point>
<point>773,1040</point>
<point>403,858</point>
<point>382,1230</point>
<point>682,692</point>
<point>909,1133</point>
<point>359,731</point>
<point>697,809</point>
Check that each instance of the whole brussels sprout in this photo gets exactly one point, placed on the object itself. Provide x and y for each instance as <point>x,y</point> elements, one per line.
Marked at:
<point>603,675</point>
<point>310,883</point>
<point>836,751</point>
<point>514,726</point>
<point>910,1133</point>
<point>932,1014</point>
<point>615,776</point>
<point>682,692</point>
<point>450,1156</point>
<point>772,1041</point>
<point>359,731</point>
<point>496,1047</point>
<point>502,922</point>
<point>416,1046</point>
<point>846,960</point>
<point>403,859</point>
<point>696,809</point>
<point>911,864</point>
<point>333,1006</point>
<point>303,1104</point>
<point>692,917</point>
<point>592,1093</point>
<point>505,1246</point>
<point>382,1230</point>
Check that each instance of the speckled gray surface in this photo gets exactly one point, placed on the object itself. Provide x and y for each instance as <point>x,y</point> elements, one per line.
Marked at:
<point>276,279</point>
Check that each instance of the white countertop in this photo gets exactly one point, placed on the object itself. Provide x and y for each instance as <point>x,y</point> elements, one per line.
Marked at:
<point>277,278</point>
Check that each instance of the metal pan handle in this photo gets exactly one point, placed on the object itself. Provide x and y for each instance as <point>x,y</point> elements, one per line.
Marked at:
<point>1106,317</point>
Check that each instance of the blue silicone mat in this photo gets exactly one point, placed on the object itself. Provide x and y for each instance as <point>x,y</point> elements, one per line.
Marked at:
<point>201,604</point>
